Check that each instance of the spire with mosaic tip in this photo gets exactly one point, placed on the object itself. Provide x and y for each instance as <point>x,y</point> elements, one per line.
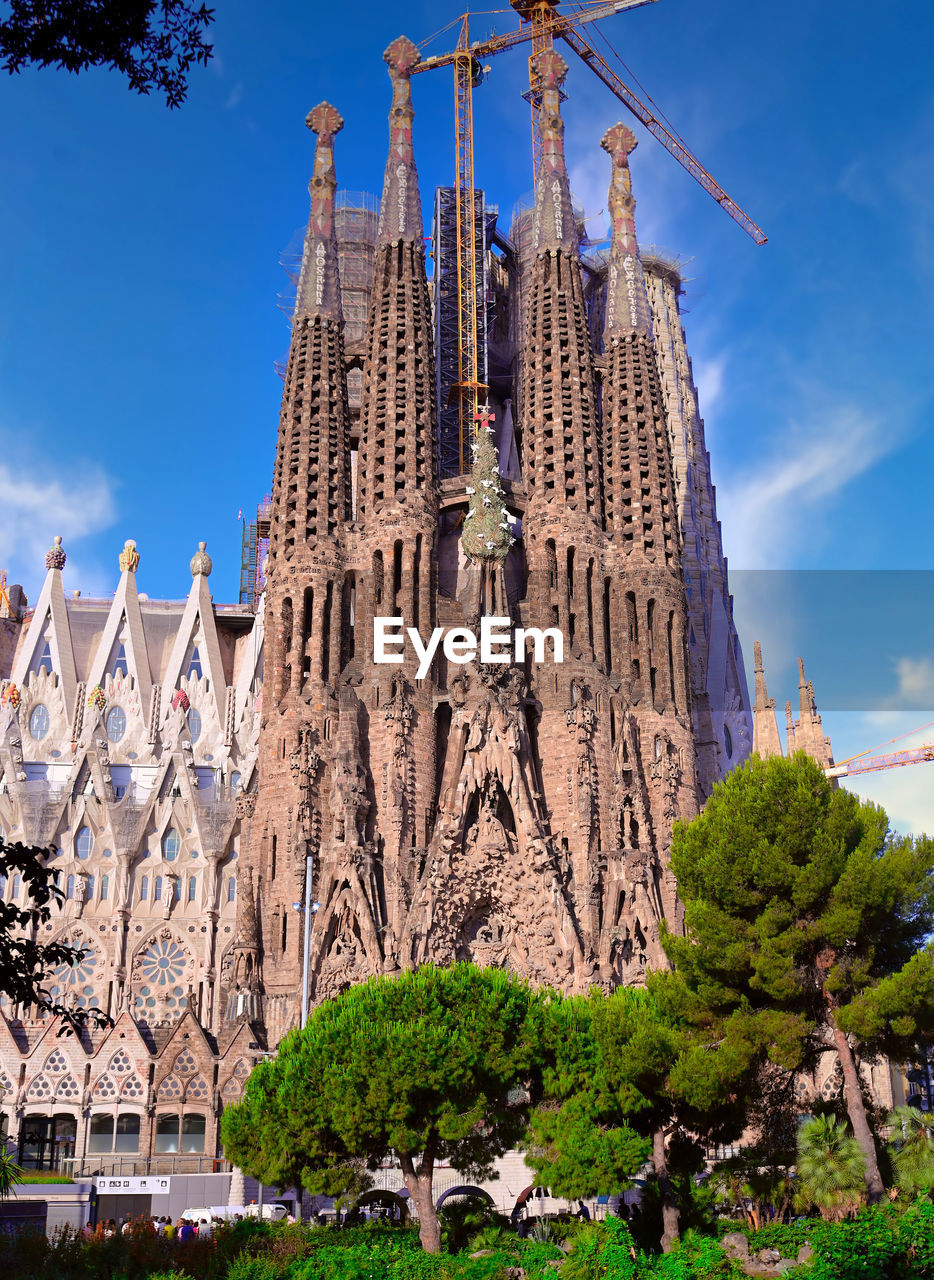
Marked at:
<point>627,303</point>
<point>555,227</point>
<point>400,215</point>
<point>319,292</point>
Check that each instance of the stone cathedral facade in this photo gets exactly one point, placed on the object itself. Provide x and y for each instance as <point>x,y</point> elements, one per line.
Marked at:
<point>192,763</point>
<point>519,812</point>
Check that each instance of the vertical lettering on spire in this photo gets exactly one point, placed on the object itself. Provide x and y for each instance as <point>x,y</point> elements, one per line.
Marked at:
<point>318,290</point>
<point>554,214</point>
<point>627,303</point>
<point>400,215</point>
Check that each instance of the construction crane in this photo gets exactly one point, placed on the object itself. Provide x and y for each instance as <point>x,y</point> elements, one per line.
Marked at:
<point>894,760</point>
<point>541,23</point>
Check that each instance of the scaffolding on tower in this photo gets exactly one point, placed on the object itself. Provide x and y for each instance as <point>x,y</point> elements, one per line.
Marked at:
<point>255,548</point>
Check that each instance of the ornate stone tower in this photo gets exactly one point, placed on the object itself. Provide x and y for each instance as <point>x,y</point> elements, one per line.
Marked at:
<point>514,806</point>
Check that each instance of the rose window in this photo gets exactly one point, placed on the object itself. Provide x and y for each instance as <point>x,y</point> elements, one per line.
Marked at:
<point>163,962</point>
<point>232,1088</point>
<point>68,1089</point>
<point>133,1087</point>
<point>105,1088</point>
<point>173,998</point>
<point>5,1087</point>
<point>74,982</point>
<point>197,1089</point>
<point>120,1064</point>
<point>56,1062</point>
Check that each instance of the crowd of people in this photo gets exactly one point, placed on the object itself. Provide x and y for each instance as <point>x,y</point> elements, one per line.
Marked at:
<point>182,1229</point>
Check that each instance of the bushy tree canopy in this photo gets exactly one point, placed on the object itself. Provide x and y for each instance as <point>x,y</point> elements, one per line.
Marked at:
<point>154,43</point>
<point>806,924</point>
<point>426,1066</point>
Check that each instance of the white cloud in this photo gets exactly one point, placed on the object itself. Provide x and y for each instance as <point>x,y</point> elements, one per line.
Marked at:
<point>710,380</point>
<point>915,683</point>
<point>39,502</point>
<point>235,97</point>
<point>776,507</point>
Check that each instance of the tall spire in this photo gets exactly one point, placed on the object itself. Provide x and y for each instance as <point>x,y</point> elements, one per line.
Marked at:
<point>397,405</point>
<point>627,303</point>
<point>765,739</point>
<point>319,291</point>
<point>400,215</point>
<point>555,227</point>
<point>638,482</point>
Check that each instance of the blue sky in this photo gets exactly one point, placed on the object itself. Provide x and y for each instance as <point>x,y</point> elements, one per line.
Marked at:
<point>139,326</point>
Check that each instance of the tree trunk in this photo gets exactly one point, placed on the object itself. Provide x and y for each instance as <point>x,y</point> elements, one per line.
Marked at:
<point>670,1214</point>
<point>856,1110</point>
<point>418,1182</point>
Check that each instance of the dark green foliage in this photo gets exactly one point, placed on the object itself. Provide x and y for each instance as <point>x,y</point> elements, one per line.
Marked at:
<point>26,966</point>
<point>423,1066</point>
<point>912,1150</point>
<point>154,43</point>
<point>795,892</point>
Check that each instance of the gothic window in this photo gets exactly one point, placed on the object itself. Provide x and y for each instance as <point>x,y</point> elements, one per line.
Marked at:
<point>157,890</point>
<point>39,1089</point>
<point>84,843</point>
<point>171,1087</point>
<point>728,743</point>
<point>192,887</point>
<point>119,668</point>
<point>107,1133</point>
<point>105,1087</point>
<point>171,843</point>
<point>120,1063</point>
<point>194,664</point>
<point>231,889</point>
<point>132,1087</point>
<point>194,725</point>
<point>197,1090</point>
<point>105,885</point>
<point>44,661</point>
<point>15,892</point>
<point>115,724</point>
<point>68,1090</point>
<point>70,887</point>
<point>39,721</point>
<point>56,1062</point>
<point>185,1064</point>
<point>144,889</point>
<point>231,1090</point>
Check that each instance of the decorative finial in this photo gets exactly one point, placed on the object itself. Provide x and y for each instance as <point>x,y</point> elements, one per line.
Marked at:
<point>402,56</point>
<point>400,215</point>
<point>324,120</point>
<point>55,556</point>
<point>201,562</point>
<point>555,227</point>
<point>319,292</point>
<point>627,302</point>
<point>129,557</point>
<point>550,69</point>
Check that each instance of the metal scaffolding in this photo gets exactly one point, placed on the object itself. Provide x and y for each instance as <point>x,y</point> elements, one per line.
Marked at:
<point>453,438</point>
